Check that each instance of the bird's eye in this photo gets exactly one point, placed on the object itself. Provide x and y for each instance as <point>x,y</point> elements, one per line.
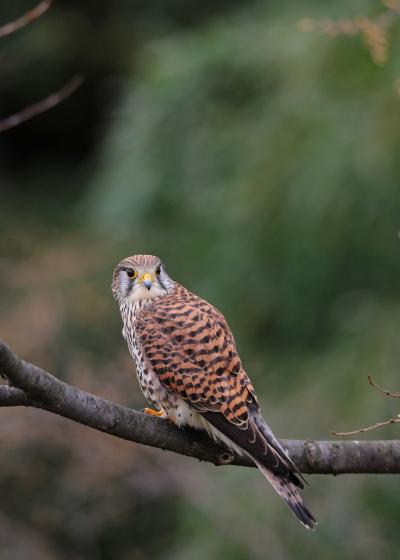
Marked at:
<point>131,273</point>
<point>158,270</point>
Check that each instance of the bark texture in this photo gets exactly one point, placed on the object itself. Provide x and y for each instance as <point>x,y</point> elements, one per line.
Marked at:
<point>29,385</point>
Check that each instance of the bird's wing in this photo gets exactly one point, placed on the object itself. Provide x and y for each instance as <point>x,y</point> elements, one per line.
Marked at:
<point>190,347</point>
<point>192,350</point>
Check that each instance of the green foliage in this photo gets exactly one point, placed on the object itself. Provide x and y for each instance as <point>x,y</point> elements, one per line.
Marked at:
<point>267,156</point>
<point>261,163</point>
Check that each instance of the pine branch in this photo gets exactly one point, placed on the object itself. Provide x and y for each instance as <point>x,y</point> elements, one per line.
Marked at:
<point>31,386</point>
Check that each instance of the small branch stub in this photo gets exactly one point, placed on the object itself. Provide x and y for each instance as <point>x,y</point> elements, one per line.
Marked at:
<point>225,458</point>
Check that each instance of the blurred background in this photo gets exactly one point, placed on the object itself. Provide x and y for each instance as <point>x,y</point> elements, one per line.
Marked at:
<point>254,146</point>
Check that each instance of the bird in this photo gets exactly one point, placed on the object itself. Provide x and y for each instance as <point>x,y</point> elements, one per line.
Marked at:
<point>189,368</point>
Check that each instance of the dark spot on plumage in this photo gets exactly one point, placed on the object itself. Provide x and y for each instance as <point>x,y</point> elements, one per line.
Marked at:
<point>237,406</point>
<point>205,340</point>
<point>199,330</point>
<point>182,312</point>
<point>187,369</point>
<point>217,360</point>
<point>244,416</point>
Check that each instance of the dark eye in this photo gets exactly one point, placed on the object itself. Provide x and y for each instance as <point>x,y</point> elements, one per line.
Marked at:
<point>158,270</point>
<point>131,273</point>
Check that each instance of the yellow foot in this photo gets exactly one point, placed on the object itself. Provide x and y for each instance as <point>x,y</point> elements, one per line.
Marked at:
<point>153,412</point>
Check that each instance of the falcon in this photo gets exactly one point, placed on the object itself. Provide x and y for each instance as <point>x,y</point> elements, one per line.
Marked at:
<point>189,368</point>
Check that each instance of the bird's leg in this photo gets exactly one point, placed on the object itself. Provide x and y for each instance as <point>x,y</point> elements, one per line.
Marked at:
<point>153,412</point>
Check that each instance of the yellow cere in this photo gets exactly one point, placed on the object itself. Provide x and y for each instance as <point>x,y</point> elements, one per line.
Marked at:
<point>147,276</point>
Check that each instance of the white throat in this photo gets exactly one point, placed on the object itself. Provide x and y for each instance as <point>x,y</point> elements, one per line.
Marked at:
<point>140,297</point>
<point>142,294</point>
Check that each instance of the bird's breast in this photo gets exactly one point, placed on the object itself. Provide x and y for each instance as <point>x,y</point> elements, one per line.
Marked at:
<point>149,381</point>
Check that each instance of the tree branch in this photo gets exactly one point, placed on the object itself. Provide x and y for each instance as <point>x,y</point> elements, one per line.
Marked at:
<point>42,106</point>
<point>27,18</point>
<point>396,420</point>
<point>32,386</point>
<point>394,394</point>
<point>9,396</point>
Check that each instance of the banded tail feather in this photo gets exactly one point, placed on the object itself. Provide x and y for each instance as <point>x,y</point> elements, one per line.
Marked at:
<point>259,443</point>
<point>290,494</point>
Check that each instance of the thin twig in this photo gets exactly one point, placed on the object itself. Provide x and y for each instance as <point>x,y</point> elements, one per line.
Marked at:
<point>26,19</point>
<point>369,428</point>
<point>388,393</point>
<point>378,424</point>
<point>42,106</point>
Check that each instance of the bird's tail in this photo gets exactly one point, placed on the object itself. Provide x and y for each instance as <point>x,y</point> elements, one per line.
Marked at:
<point>290,494</point>
<point>259,443</point>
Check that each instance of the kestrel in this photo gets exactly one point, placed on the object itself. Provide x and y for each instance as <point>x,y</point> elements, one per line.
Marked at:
<point>189,368</point>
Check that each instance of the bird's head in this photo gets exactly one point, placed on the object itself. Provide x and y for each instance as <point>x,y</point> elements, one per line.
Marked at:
<point>140,277</point>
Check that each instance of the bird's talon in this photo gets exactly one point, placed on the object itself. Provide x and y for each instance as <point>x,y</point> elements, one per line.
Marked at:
<point>153,412</point>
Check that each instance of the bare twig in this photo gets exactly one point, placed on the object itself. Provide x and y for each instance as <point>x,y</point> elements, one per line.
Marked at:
<point>27,18</point>
<point>378,424</point>
<point>32,386</point>
<point>369,428</point>
<point>388,393</point>
<point>42,106</point>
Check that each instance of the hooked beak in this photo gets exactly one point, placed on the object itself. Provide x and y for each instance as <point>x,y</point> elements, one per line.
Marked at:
<point>147,279</point>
